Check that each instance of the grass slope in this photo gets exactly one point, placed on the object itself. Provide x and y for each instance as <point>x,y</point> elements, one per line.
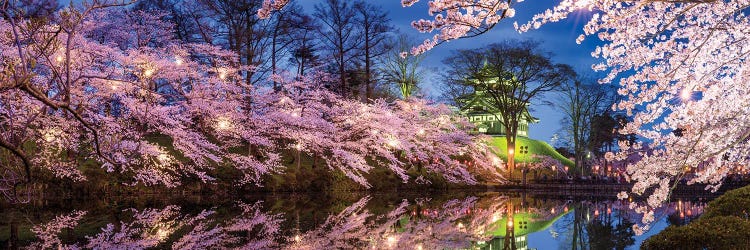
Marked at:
<point>535,147</point>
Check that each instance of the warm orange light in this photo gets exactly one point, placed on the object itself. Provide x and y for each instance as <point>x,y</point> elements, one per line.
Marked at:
<point>163,158</point>
<point>148,72</point>
<point>223,74</point>
<point>223,123</point>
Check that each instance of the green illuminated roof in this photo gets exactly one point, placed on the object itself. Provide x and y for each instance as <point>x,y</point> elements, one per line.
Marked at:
<point>535,224</point>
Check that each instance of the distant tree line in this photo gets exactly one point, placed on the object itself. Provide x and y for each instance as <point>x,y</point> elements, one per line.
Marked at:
<point>354,41</point>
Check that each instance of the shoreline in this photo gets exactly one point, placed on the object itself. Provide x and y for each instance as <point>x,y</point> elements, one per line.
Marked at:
<point>569,190</point>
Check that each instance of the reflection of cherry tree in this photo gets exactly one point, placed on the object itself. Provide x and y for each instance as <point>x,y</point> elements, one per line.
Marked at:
<point>346,229</point>
<point>421,223</point>
<point>263,227</point>
<point>148,228</point>
<point>152,227</point>
<point>453,224</point>
<point>48,232</point>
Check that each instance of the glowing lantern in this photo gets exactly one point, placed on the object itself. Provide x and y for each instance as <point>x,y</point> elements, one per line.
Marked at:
<point>51,135</point>
<point>686,94</point>
<point>223,123</point>
<point>163,158</point>
<point>222,74</point>
<point>148,72</point>
<point>161,234</point>
<point>393,142</point>
<point>391,240</point>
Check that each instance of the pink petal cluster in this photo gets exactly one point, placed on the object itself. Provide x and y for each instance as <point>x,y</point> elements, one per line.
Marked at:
<point>682,71</point>
<point>114,87</point>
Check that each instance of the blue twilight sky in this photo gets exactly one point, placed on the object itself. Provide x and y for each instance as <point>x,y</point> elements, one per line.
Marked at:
<point>557,38</point>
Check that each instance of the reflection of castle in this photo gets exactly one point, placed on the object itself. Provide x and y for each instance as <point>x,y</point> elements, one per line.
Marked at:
<point>519,242</point>
<point>511,232</point>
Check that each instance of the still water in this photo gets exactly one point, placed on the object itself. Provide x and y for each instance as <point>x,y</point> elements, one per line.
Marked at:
<point>488,220</point>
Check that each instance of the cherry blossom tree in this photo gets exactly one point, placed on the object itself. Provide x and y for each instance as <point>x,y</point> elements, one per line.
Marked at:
<point>681,70</point>
<point>348,134</point>
<point>105,84</point>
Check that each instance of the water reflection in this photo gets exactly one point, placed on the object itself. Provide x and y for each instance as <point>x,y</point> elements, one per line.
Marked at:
<point>479,221</point>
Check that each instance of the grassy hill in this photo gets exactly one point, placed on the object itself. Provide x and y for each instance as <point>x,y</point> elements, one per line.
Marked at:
<point>535,147</point>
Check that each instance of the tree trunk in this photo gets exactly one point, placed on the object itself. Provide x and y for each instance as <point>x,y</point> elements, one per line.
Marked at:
<point>368,87</point>
<point>13,240</point>
<point>510,142</point>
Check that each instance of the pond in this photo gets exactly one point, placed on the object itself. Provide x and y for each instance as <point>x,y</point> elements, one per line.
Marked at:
<point>455,220</point>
